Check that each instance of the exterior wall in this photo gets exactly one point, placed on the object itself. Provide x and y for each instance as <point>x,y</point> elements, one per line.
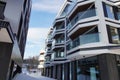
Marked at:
<point>5,55</point>
<point>16,14</point>
<point>106,65</point>
<point>93,60</point>
<point>14,10</point>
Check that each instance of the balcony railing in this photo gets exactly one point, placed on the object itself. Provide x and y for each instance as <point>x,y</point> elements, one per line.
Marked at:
<point>55,42</point>
<point>89,38</point>
<point>81,15</point>
<point>57,55</point>
<point>84,39</point>
<point>59,27</point>
<point>47,59</point>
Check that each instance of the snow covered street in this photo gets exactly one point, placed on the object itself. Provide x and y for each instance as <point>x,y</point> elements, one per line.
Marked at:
<point>30,77</point>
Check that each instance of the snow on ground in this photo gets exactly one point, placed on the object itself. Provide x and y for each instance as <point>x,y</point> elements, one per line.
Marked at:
<point>30,77</point>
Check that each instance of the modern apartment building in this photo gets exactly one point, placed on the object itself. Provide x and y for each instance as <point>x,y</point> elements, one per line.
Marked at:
<point>85,42</point>
<point>41,60</point>
<point>14,19</point>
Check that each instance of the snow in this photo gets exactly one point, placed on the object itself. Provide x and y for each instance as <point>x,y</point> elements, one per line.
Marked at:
<point>33,76</point>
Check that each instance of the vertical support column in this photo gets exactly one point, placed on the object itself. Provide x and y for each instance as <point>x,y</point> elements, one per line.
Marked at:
<point>108,67</point>
<point>59,71</point>
<point>5,56</point>
<point>66,71</point>
<point>51,71</point>
<point>74,75</point>
<point>54,71</point>
<point>102,25</point>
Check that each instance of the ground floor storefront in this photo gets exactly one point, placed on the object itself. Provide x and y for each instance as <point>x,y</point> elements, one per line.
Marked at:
<point>100,67</point>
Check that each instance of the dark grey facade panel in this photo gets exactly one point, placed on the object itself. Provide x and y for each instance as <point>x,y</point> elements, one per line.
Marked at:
<point>108,67</point>
<point>5,55</point>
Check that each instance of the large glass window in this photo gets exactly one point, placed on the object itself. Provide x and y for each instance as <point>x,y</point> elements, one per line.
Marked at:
<point>60,39</point>
<point>59,53</point>
<point>109,12</point>
<point>88,69</point>
<point>118,14</point>
<point>114,36</point>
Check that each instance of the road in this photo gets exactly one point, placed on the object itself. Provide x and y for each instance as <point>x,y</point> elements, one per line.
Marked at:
<point>32,76</point>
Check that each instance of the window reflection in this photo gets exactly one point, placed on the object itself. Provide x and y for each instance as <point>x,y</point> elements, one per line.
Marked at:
<point>114,35</point>
<point>110,12</point>
<point>87,69</point>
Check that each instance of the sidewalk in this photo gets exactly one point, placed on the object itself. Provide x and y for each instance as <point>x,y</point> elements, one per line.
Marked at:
<point>29,77</point>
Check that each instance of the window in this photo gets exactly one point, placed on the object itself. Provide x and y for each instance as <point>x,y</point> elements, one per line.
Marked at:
<point>65,11</point>
<point>113,34</point>
<point>59,53</point>
<point>109,12</point>
<point>60,26</point>
<point>88,69</point>
<point>118,14</point>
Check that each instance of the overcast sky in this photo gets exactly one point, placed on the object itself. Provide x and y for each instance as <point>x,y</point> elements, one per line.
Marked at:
<point>42,16</point>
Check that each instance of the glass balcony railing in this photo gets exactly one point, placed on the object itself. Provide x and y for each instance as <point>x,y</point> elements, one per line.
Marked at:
<point>83,39</point>
<point>58,55</point>
<point>68,8</point>
<point>80,16</point>
<point>63,14</point>
<point>59,41</point>
<point>47,59</point>
<point>89,38</point>
<point>60,27</point>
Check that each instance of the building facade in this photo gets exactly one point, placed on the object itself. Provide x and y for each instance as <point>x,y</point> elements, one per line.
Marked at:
<point>14,19</point>
<point>41,60</point>
<point>85,42</point>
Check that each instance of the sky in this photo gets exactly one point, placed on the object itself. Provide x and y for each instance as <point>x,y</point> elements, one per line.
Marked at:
<point>42,17</point>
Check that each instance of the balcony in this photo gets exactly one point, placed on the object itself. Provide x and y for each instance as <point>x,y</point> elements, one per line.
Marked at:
<point>48,41</point>
<point>58,57</point>
<point>6,34</point>
<point>59,43</point>
<point>58,30</point>
<point>81,15</point>
<point>47,59</point>
<point>83,39</point>
<point>48,52</point>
